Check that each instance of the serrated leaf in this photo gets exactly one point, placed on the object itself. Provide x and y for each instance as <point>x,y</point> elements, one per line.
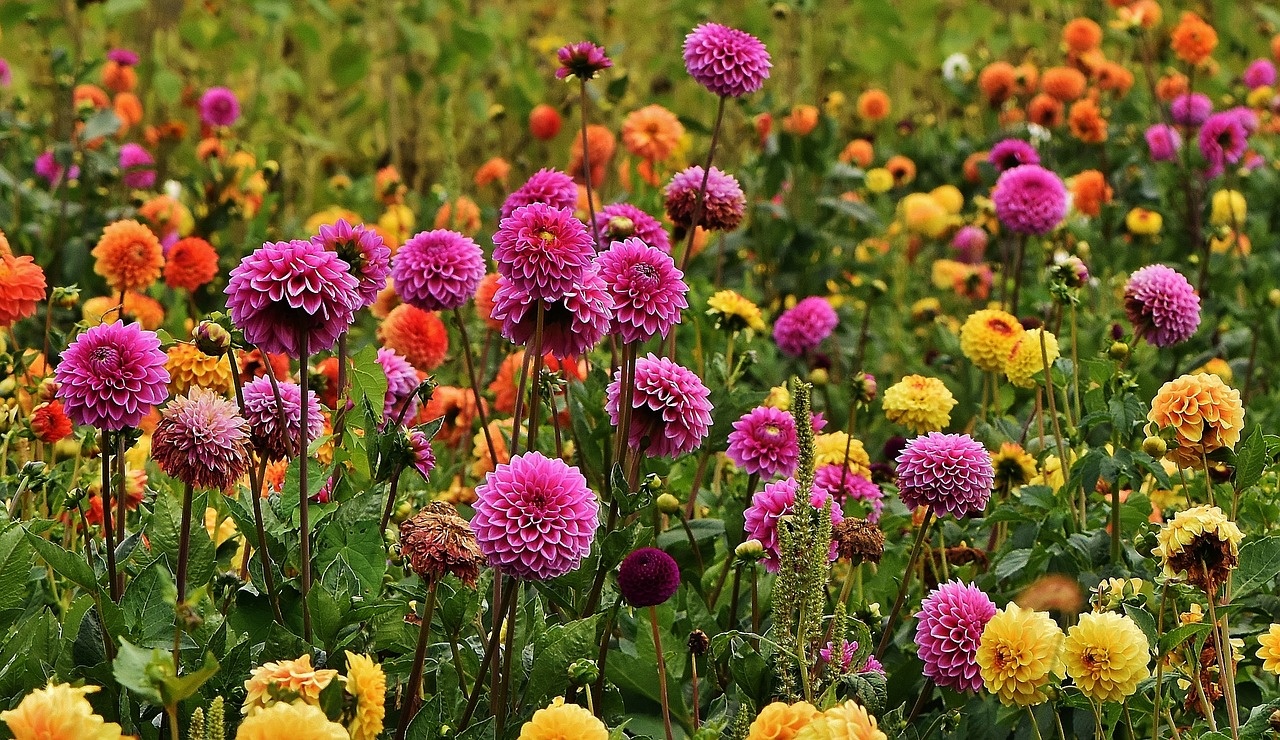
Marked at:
<point>1251,458</point>
<point>64,562</point>
<point>554,651</point>
<point>1259,565</point>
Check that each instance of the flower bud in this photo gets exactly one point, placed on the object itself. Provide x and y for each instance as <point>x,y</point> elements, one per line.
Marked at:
<point>865,389</point>
<point>583,672</point>
<point>619,228</point>
<point>1273,297</point>
<point>653,482</point>
<point>698,642</point>
<point>749,551</point>
<point>66,297</point>
<point>1155,447</point>
<point>819,376</point>
<point>211,338</point>
<point>668,504</point>
<point>1118,351</point>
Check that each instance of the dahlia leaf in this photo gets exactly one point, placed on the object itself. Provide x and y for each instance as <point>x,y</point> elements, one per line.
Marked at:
<point>1259,565</point>
<point>1250,460</point>
<point>554,651</point>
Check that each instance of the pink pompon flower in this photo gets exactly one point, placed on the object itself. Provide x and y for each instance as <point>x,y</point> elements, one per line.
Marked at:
<point>402,381</point>
<point>1259,73</point>
<point>1010,153</point>
<point>846,485</point>
<point>285,292</point>
<point>763,442</point>
<point>723,207</point>
<point>770,505</point>
<point>202,440</point>
<point>111,376</point>
<point>1163,141</point>
<point>617,221</point>
<point>949,473</point>
<point>219,107</point>
<point>365,253</point>
<point>137,166</point>
<point>1190,110</point>
<point>671,407</point>
<point>649,292</point>
<point>571,324</point>
<point>123,57</point>
<point>1030,199</point>
<point>1223,140</point>
<point>543,250</point>
<point>549,186</point>
<point>47,167</point>
<point>583,60</point>
<point>535,517</point>
<point>948,630</point>
<point>438,270</point>
<point>801,328</point>
<point>424,458</point>
<point>269,437</point>
<point>970,244</point>
<point>728,62</point>
<point>1162,306</point>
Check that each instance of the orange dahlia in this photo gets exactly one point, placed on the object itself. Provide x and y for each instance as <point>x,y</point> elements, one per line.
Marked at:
<point>1045,110</point>
<point>902,169</point>
<point>192,263</point>
<point>118,77</point>
<point>22,285</point>
<point>460,214</point>
<point>874,105</point>
<point>128,255</point>
<point>1082,34</point>
<point>859,152</point>
<point>506,384</point>
<point>419,336</point>
<point>1090,191</point>
<point>1086,122</point>
<point>652,133</point>
<point>1204,413</point>
<point>1192,39</point>
<point>1063,83</point>
<point>90,95</point>
<point>1113,77</point>
<point>601,145</point>
<point>146,310</point>
<point>457,407</point>
<point>49,422</point>
<point>484,300</point>
<point>494,170</point>
<point>128,109</point>
<point>801,121</point>
<point>997,82</point>
<point>1171,86</point>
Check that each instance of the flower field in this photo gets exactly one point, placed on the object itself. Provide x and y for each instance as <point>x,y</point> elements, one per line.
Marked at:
<point>639,370</point>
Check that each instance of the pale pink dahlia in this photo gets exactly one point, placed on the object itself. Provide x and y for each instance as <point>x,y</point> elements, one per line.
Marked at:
<point>1030,200</point>
<point>771,504</point>
<point>571,324</point>
<point>270,438</point>
<point>948,630</point>
<point>726,61</point>
<point>535,517</point>
<point>111,375</point>
<point>949,473</point>
<point>648,290</point>
<point>548,186</point>
<point>438,270</point>
<point>543,250</point>
<point>1162,306</point>
<point>617,221</point>
<point>671,407</point>
<point>724,202</point>
<point>365,253</point>
<point>801,328</point>
<point>202,440</point>
<point>763,442</point>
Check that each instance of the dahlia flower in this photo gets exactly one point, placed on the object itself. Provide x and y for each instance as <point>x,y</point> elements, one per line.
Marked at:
<point>583,60</point>
<point>418,336</point>
<point>543,251</point>
<point>137,166</point>
<point>548,186</point>
<point>802,328</point>
<point>618,221</point>
<point>1201,542</point>
<point>723,203</point>
<point>1191,109</point>
<point>770,505</point>
<point>1106,654</point>
<point>219,107</point>
<point>948,631</point>
<point>987,338</point>
<point>269,438</point>
<point>573,323</point>
<point>22,286</point>
<point>1163,142</point>
<point>1030,199</point>
<point>1019,654</point>
<point>366,682</point>
<point>648,577</point>
<point>402,382</point>
<point>297,721</point>
<point>846,484</point>
<point>847,721</point>
<point>919,403</point>
<point>437,541</point>
<point>1269,649</point>
<point>763,442</point>
<point>59,712</point>
<point>648,291</point>
<point>1161,305</point>
<point>363,249</point>
<point>111,376</point>
<point>202,440</point>
<point>1009,153</point>
<point>726,61</point>
<point>438,270</point>
<point>671,407</point>
<point>1027,357</point>
<point>949,473</point>
<point>128,256</point>
<point>1223,140</point>
<point>560,720</point>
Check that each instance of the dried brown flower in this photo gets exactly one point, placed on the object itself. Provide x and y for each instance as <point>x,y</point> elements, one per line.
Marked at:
<point>437,541</point>
<point>858,541</point>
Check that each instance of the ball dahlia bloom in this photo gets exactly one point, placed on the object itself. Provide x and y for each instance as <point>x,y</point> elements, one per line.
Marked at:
<point>219,107</point>
<point>202,440</point>
<point>723,204</point>
<point>365,252</point>
<point>583,60</point>
<point>59,712</point>
<point>111,376</point>
<point>543,251</point>
<point>847,721</point>
<point>298,720</point>
<point>402,381</point>
<point>190,264</point>
<point>1204,413</point>
<point>728,62</point>
<point>1191,109</point>
<point>128,256</point>
<point>572,324</point>
<point>648,291</point>
<point>919,403</point>
<point>438,270</point>
<point>1106,654</point>
<point>1202,543</point>
<point>949,473</point>
<point>648,577</point>
<point>47,167</point>
<point>988,336</point>
<point>847,484</point>
<point>652,133</point>
<point>1020,652</point>
<point>1027,357</point>
<point>271,439</point>
<point>1161,305</point>
<point>552,187</point>
<point>948,630</point>
<point>1259,73</point>
<point>763,442</point>
<point>781,720</point>
<point>22,286</point>
<point>287,292</point>
<point>535,517</point>
<point>1030,199</point>
<point>775,501</point>
<point>617,221</point>
<point>561,720</point>
<point>137,166</point>
<point>803,327</point>
<point>970,244</point>
<point>189,368</point>
<point>418,336</point>
<point>671,407</point>
<point>1010,153</point>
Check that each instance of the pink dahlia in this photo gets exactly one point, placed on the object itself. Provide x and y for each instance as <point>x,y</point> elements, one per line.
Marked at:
<point>1223,140</point>
<point>111,376</point>
<point>219,107</point>
<point>1163,141</point>
<point>365,253</point>
<point>202,440</point>
<point>763,442</point>
<point>1190,110</point>
<point>1010,153</point>
<point>285,292</point>
<point>949,473</point>
<point>846,485</point>
<point>583,60</point>
<point>535,517</point>
<point>617,221</point>
<point>671,407</point>
<point>549,186</point>
<point>728,62</point>
<point>1030,199</point>
<point>272,431</point>
<point>424,458</point>
<point>543,250</point>
<point>951,621</point>
<point>438,270</point>
<point>770,505</point>
<point>123,57</point>
<point>724,202</point>
<point>801,328</point>
<point>137,167</point>
<point>648,577</point>
<point>648,290</point>
<point>402,381</point>
<point>1162,306</point>
<point>47,166</point>
<point>970,244</point>
<point>571,324</point>
<point>1259,73</point>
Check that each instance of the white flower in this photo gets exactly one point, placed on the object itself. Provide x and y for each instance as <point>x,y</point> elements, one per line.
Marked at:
<point>172,188</point>
<point>1039,134</point>
<point>956,68</point>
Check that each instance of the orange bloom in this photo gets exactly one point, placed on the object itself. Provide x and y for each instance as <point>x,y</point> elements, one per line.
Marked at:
<point>128,255</point>
<point>1143,13</point>
<point>22,286</point>
<point>763,124</point>
<point>873,104</point>
<point>163,214</point>
<point>484,300</point>
<point>419,336</point>
<point>495,170</point>
<point>859,152</point>
<point>601,144</point>
<point>1045,110</point>
<point>1087,123</point>
<point>1063,83</point>
<point>192,263</point>
<point>544,122</point>
<point>972,164</point>
<point>128,109</point>
<point>1192,39</point>
<point>1090,191</point>
<point>327,390</point>
<point>146,310</point>
<point>462,214</point>
<point>500,433</point>
<point>1114,78</point>
<point>387,300</point>
<point>1025,77</point>
<point>902,169</point>
<point>1171,86</point>
<point>90,95</point>
<point>506,384</point>
<point>119,77</point>
<point>252,365</point>
<point>651,133</point>
<point>210,148</point>
<point>49,422</point>
<point>997,82</point>
<point>1012,116</point>
<point>801,121</point>
<point>1082,34</point>
<point>1204,413</point>
<point>457,406</point>
<point>172,130</point>
<point>389,185</point>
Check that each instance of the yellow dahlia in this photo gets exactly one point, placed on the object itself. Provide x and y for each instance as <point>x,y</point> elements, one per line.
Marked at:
<point>988,337</point>
<point>1217,366</point>
<point>1020,652</point>
<point>1106,654</point>
<point>146,310</point>
<point>286,680</point>
<point>59,712</point>
<point>561,721</point>
<point>1204,413</point>
<point>919,403</point>
<point>848,721</point>
<point>296,721</point>
<point>1201,541</point>
<point>1013,466</point>
<point>190,368</point>
<point>1228,209</point>
<point>879,180</point>
<point>368,684</point>
<point>733,312</point>
<point>828,449</point>
<point>1269,650</point>
<point>779,398</point>
<point>923,215</point>
<point>781,721</point>
<point>1027,357</point>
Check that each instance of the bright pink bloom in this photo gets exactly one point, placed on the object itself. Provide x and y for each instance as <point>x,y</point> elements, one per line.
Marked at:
<point>111,375</point>
<point>724,203</point>
<point>771,504</point>
<point>648,291</point>
<point>438,270</point>
<point>271,439</point>
<point>1030,200</point>
<point>671,407</point>
<point>726,61</point>
<point>801,328</point>
<point>549,186</point>
<point>949,473</point>
<point>763,442</point>
<point>543,251</point>
<point>364,251</point>
<point>571,325</point>
<point>1162,306</point>
<point>948,630</point>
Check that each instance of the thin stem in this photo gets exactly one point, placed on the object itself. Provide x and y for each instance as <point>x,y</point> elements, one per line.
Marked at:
<point>1019,256</point>
<point>662,673</point>
<point>499,706</point>
<point>184,552</point>
<point>121,499</point>
<point>495,636</point>
<point>1035,729</point>
<point>1226,676</point>
<point>469,361</point>
<point>906,583</point>
<point>419,657</point>
<point>304,502</point>
<point>586,169</point>
<point>535,392</point>
<point>108,532</point>
<point>392,487</point>
<point>700,203</point>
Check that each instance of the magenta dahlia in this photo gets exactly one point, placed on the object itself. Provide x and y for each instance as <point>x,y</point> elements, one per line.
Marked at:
<point>364,251</point>
<point>772,503</point>
<point>617,221</point>
<point>111,376</point>
<point>726,61</point>
<point>583,60</point>
<point>543,250</point>
<point>801,328</point>
<point>1030,199</point>
<point>202,440</point>
<point>535,517</point>
<point>648,290</point>
<point>724,202</point>
<point>402,382</point>
<point>219,107</point>
<point>548,186</point>
<point>763,442</point>
<point>648,577</point>
<point>1190,110</point>
<point>269,437</point>
<point>137,167</point>
<point>948,630</point>
<point>123,57</point>
<point>970,244</point>
<point>1259,73</point>
<point>285,292</point>
<point>424,458</point>
<point>438,270</point>
<point>1224,137</point>
<point>1163,141</point>
<point>571,324</point>
<point>1162,306</point>
<point>1010,153</point>
<point>949,473</point>
<point>846,485</point>
<point>47,166</point>
<point>671,408</point>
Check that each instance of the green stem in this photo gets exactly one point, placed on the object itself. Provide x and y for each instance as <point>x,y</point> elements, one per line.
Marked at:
<point>662,673</point>
<point>906,583</point>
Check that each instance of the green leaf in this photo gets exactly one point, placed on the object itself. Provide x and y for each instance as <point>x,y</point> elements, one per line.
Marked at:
<point>1177,636</point>
<point>141,671</point>
<point>1259,565</point>
<point>368,382</point>
<point>554,651</point>
<point>1144,620</point>
<point>103,123</point>
<point>870,689</point>
<point>16,557</point>
<point>1251,458</point>
<point>860,212</point>
<point>348,64</point>
<point>64,562</point>
<point>163,530</point>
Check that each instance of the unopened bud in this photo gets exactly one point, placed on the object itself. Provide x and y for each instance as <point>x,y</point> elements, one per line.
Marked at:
<point>620,227</point>
<point>819,376</point>
<point>65,297</point>
<point>211,338</point>
<point>1118,351</point>
<point>1273,297</point>
<point>668,504</point>
<point>698,642</point>
<point>1154,446</point>
<point>749,551</point>
<point>583,672</point>
<point>653,482</point>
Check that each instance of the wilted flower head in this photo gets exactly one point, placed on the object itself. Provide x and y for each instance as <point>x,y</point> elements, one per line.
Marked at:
<point>948,630</point>
<point>582,60</point>
<point>202,440</point>
<point>437,541</point>
<point>364,250</point>
<point>438,270</point>
<point>671,407</point>
<point>1161,305</point>
<point>800,329</point>
<point>723,203</point>
<point>1201,542</point>
<point>858,540</point>
<point>726,61</point>
<point>112,375</point>
<point>648,291</point>
<point>949,473</point>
